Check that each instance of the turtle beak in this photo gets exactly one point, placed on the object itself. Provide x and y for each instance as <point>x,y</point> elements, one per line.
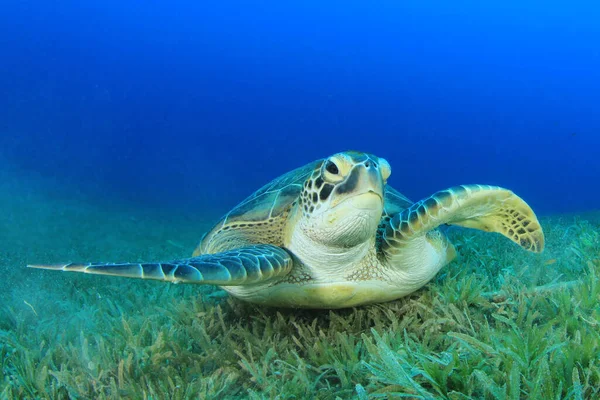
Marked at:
<point>364,178</point>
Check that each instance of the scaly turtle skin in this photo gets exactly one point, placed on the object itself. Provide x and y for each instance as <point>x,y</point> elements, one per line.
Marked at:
<point>333,234</point>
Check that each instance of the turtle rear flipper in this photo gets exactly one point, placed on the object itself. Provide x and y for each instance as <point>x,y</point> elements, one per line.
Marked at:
<point>483,207</point>
<point>242,266</point>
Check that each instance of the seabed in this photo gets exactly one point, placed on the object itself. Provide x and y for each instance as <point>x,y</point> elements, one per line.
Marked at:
<point>498,323</point>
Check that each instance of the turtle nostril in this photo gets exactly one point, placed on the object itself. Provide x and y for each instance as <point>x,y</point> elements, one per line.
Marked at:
<point>367,164</point>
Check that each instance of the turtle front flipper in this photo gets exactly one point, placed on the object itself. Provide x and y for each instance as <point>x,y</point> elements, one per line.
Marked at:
<point>483,207</point>
<point>242,266</point>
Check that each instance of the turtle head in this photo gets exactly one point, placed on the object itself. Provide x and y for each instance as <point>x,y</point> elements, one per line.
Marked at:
<point>342,202</point>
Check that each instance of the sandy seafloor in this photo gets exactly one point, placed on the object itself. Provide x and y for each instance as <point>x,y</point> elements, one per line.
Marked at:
<point>43,221</point>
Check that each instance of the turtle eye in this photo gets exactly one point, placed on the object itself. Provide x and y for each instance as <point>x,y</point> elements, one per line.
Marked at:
<point>332,168</point>
<point>331,172</point>
<point>385,168</point>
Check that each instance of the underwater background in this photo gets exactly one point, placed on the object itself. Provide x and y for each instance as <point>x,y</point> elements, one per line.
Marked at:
<point>128,128</point>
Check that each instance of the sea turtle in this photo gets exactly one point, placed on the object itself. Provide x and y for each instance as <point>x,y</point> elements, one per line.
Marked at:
<point>333,234</point>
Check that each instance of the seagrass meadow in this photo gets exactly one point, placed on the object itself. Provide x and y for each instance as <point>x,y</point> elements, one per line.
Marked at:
<point>497,323</point>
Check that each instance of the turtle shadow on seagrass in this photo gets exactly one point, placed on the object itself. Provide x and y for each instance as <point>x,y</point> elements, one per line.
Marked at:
<point>333,234</point>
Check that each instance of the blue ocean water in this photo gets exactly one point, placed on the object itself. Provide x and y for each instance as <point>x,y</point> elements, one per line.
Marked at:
<point>189,105</point>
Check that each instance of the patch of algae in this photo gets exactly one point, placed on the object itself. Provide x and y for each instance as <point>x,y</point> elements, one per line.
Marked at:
<point>479,330</point>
